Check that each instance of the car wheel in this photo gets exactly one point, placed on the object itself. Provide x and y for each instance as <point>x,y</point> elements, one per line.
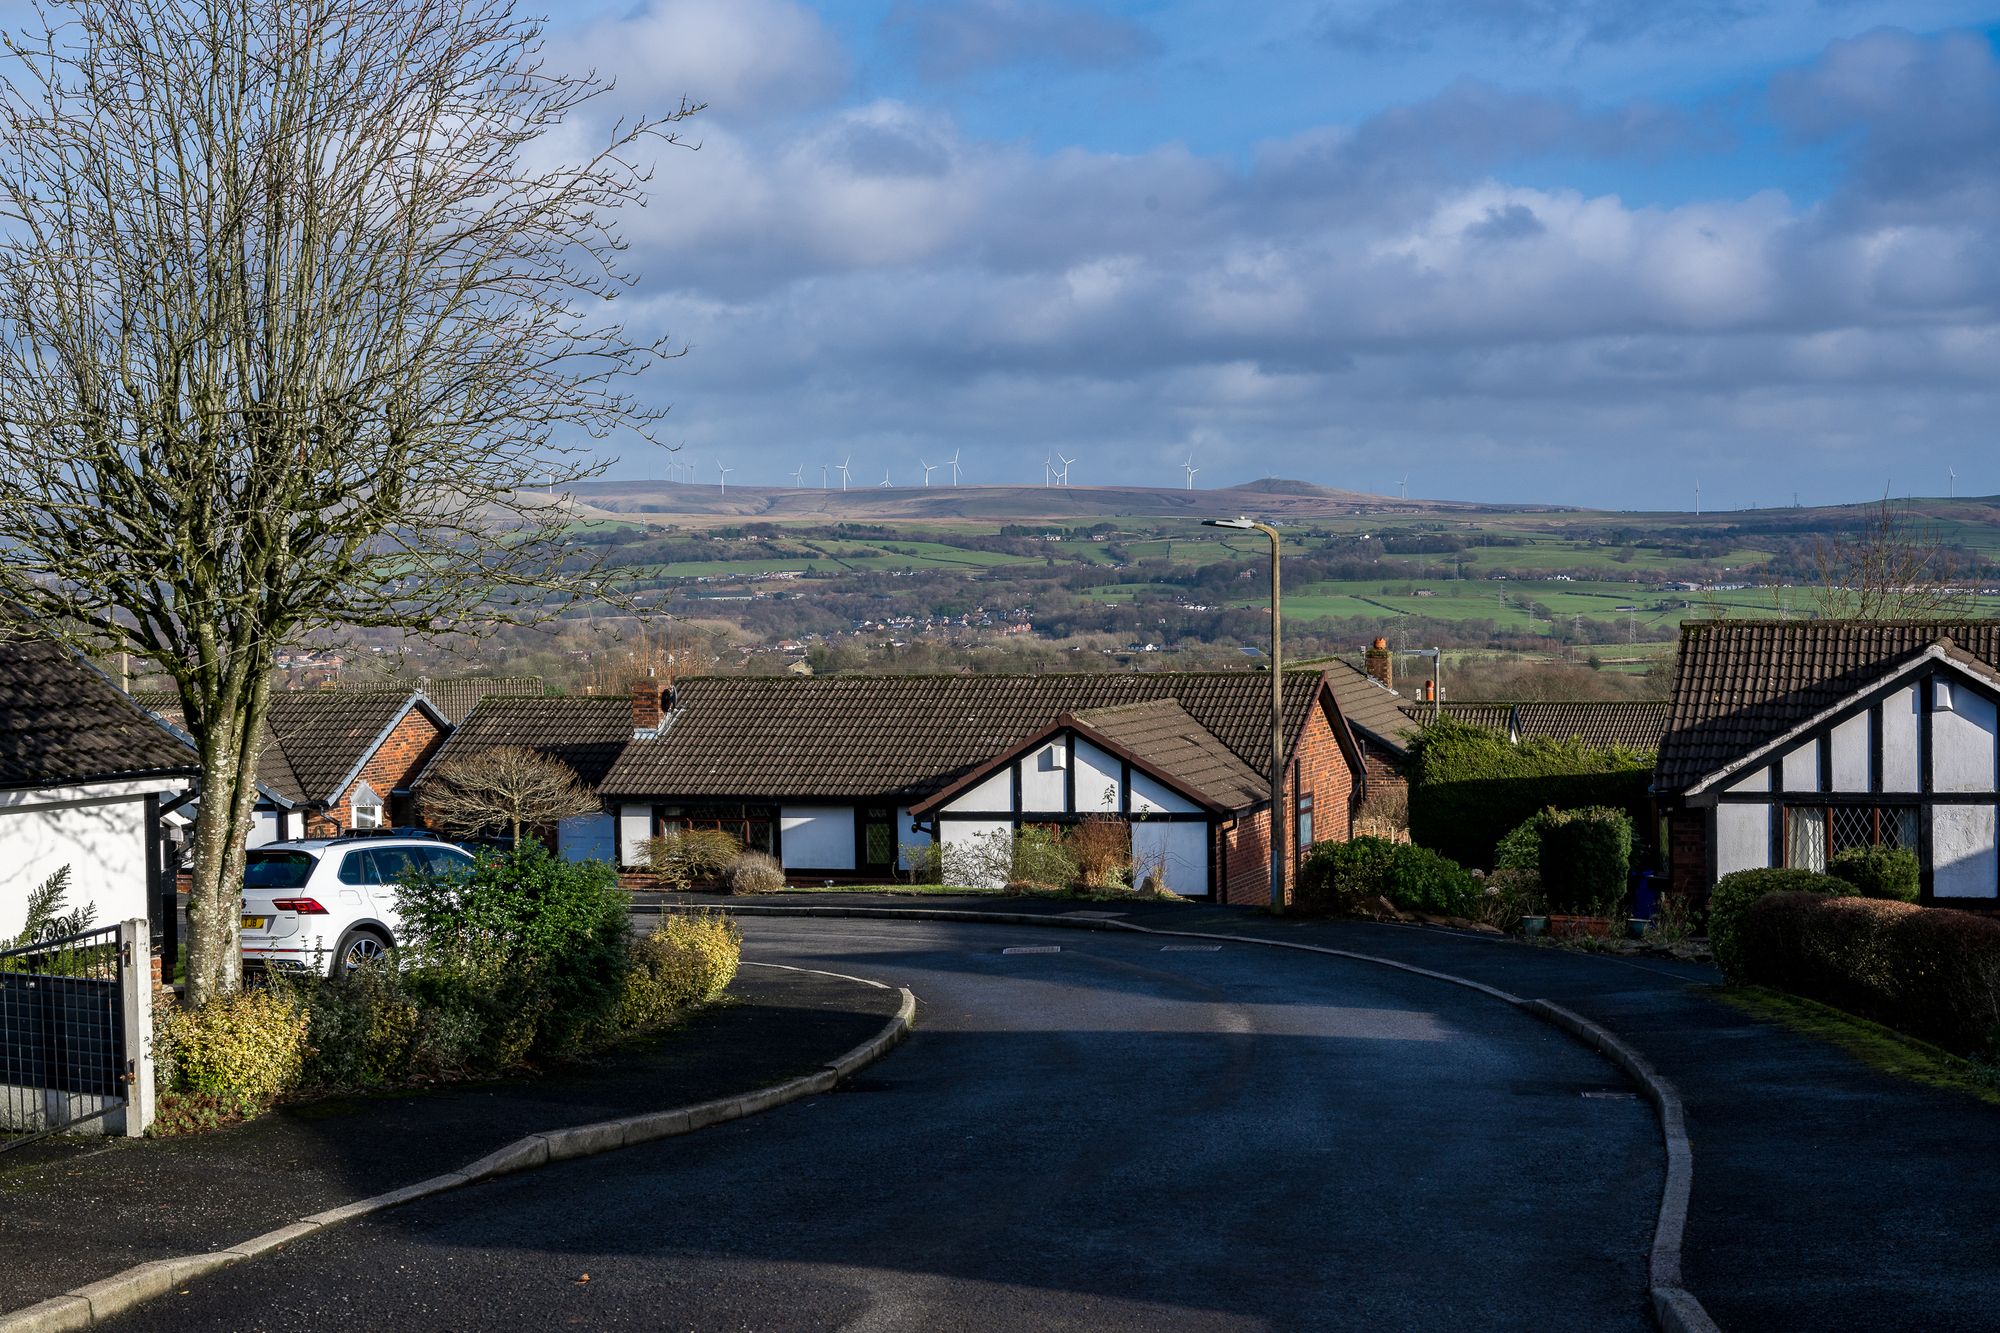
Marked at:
<point>359,946</point>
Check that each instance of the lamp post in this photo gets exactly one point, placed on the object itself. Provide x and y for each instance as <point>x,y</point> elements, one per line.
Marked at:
<point>1278,850</point>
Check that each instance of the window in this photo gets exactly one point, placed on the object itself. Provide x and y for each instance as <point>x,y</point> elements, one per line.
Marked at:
<point>278,870</point>
<point>367,807</point>
<point>1814,833</point>
<point>1305,821</point>
<point>755,827</point>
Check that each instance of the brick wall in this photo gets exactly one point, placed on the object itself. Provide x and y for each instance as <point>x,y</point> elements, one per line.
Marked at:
<point>1318,767</point>
<point>1687,852</point>
<point>395,761</point>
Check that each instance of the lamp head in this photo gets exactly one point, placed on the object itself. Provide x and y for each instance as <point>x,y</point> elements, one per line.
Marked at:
<point>1241,524</point>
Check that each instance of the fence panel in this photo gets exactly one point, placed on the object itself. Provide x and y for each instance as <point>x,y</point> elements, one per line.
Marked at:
<point>63,1057</point>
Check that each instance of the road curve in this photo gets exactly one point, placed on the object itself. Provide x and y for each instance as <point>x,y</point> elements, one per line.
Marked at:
<point>1095,1132</point>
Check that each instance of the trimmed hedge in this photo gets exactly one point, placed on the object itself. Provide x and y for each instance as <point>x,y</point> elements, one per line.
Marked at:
<point>1339,876</point>
<point>1931,972</point>
<point>1469,786</point>
<point>1734,893</point>
<point>1879,872</point>
<point>1585,855</point>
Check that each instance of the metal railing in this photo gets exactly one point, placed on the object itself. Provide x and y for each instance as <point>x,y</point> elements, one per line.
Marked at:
<point>64,1060</point>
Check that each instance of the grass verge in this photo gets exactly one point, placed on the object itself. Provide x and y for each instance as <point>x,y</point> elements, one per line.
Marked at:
<point>1877,1046</point>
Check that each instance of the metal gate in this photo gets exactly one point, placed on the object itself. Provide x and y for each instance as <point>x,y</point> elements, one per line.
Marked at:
<point>64,1061</point>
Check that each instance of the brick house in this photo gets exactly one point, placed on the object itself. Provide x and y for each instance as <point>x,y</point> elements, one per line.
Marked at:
<point>837,777</point>
<point>1787,742</point>
<point>335,760</point>
<point>1375,715</point>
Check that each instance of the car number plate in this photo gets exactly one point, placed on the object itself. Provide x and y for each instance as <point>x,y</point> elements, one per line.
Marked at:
<point>256,922</point>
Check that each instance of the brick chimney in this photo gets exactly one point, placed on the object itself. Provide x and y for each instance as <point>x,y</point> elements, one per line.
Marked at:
<point>1380,663</point>
<point>646,713</point>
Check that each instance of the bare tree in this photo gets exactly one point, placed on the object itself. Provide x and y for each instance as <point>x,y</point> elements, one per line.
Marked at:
<point>1891,567</point>
<point>507,786</point>
<point>302,305</point>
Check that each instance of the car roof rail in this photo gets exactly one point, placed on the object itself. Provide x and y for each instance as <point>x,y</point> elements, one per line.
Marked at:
<point>373,834</point>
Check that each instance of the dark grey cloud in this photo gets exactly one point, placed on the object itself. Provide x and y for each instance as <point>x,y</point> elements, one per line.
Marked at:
<point>951,39</point>
<point>1418,25</point>
<point>1511,222</point>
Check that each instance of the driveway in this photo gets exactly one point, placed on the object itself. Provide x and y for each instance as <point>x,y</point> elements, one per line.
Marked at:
<point>1096,1132</point>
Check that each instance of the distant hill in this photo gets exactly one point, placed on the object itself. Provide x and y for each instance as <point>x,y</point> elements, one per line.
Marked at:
<point>1270,497</point>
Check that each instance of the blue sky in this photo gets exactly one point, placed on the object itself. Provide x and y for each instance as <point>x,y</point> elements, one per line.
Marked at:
<point>1580,251</point>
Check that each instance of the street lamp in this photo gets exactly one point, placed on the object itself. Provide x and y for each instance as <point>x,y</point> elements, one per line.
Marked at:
<point>1437,675</point>
<point>1277,712</point>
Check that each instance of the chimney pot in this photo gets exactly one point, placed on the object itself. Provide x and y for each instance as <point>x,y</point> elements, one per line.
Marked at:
<point>1380,664</point>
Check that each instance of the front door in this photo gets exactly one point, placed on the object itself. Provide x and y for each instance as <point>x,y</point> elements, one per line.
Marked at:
<point>878,842</point>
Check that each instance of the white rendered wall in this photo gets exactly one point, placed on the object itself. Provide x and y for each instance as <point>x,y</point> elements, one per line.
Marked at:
<point>964,836</point>
<point>996,793</point>
<point>263,828</point>
<point>101,839</point>
<point>1181,848</point>
<point>1848,753</point>
<point>817,837</point>
<point>635,826</point>
<point>1965,861</point>
<point>1802,768</point>
<point>588,837</point>
<point>1758,781</point>
<point>1962,743</point>
<point>908,837</point>
<point>1044,778</point>
<point>1742,837</point>
<point>1902,742</point>
<point>1096,778</point>
<point>1149,796</point>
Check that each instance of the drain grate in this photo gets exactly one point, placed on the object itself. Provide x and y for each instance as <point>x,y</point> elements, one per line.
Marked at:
<point>1190,948</point>
<point>1612,1096</point>
<point>1034,948</point>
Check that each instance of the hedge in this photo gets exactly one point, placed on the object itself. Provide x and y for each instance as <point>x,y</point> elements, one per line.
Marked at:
<point>1585,855</point>
<point>1470,786</point>
<point>1879,872</point>
<point>1927,971</point>
<point>1339,876</point>
<point>1734,893</point>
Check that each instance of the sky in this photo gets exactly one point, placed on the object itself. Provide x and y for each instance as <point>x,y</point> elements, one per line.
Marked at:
<point>1572,251</point>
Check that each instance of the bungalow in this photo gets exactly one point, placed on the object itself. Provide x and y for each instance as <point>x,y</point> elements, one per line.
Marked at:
<point>84,775</point>
<point>1623,724</point>
<point>1787,742</point>
<point>838,777</point>
<point>334,761</point>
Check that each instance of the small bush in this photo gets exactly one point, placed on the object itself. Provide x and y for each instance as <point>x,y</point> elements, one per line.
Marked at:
<point>1929,972</point>
<point>1102,847</point>
<point>1734,893</point>
<point>1385,812</point>
<point>244,1050</point>
<point>1673,921</point>
<point>925,861</point>
<point>1339,876</point>
<point>1879,872</point>
<point>1585,855</point>
<point>754,872</point>
<point>680,858</point>
<point>1521,849</point>
<point>1508,895</point>
<point>1039,860</point>
<point>688,961</point>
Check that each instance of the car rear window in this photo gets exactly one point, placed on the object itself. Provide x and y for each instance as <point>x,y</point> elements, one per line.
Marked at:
<point>277,870</point>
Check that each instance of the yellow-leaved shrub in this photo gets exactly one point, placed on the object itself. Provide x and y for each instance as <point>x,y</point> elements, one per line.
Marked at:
<point>246,1049</point>
<point>688,961</point>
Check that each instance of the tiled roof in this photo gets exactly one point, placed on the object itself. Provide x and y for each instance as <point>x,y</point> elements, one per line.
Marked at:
<point>858,736</point>
<point>456,698</point>
<point>587,733</point>
<point>1741,684</point>
<point>1631,724</point>
<point>62,721</point>
<point>1369,706</point>
<point>1493,717</point>
<point>1161,735</point>
<point>312,738</point>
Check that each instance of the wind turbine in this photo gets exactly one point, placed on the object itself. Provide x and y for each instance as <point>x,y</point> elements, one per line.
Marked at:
<point>822,476</point>
<point>799,478</point>
<point>722,474</point>
<point>1191,469</point>
<point>1697,497</point>
<point>928,469</point>
<point>954,468</point>
<point>1048,469</point>
<point>884,484</point>
<point>1406,486</point>
<point>1062,478</point>
<point>843,471</point>
<point>1953,493</point>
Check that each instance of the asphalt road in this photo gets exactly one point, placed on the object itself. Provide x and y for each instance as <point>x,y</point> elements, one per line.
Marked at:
<point>1108,1132</point>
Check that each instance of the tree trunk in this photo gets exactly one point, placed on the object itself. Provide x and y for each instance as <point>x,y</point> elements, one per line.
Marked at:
<point>228,799</point>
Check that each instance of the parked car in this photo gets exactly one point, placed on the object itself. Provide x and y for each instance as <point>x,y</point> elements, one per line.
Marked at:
<point>321,904</point>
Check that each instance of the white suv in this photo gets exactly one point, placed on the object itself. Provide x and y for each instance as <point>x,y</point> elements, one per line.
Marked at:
<point>321,904</point>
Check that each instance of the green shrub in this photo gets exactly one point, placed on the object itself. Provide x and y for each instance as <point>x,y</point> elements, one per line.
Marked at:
<point>688,961</point>
<point>244,1050</point>
<point>754,872</point>
<point>553,929</point>
<point>1339,876</point>
<point>1879,872</point>
<point>679,858</point>
<point>362,1026</point>
<point>1585,857</point>
<point>1040,860</point>
<point>1508,895</point>
<point>1734,893</point>
<point>1521,849</point>
<point>1470,786</point>
<point>1929,972</point>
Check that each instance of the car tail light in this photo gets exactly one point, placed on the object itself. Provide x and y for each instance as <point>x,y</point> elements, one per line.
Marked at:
<point>307,906</point>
